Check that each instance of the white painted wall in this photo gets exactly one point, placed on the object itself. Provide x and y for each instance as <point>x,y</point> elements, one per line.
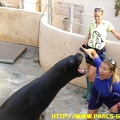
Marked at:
<point>89,6</point>
<point>87,14</point>
<point>30,5</point>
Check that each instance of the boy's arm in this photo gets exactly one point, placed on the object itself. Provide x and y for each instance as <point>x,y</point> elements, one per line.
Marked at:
<point>91,52</point>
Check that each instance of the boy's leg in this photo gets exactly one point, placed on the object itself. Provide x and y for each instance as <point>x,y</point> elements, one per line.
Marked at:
<point>86,92</point>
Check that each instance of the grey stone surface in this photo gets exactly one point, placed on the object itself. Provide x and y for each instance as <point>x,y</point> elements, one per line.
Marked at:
<point>23,71</point>
<point>10,52</point>
<point>69,101</point>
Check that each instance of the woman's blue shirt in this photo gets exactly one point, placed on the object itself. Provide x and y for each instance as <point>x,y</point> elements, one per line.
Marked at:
<point>104,86</point>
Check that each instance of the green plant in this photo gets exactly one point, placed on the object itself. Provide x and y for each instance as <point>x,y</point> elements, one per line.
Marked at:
<point>117,7</point>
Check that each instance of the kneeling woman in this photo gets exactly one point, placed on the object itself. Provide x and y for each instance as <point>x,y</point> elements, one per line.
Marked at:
<point>106,88</point>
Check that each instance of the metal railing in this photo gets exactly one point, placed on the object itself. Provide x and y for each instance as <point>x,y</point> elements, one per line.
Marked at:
<point>70,15</point>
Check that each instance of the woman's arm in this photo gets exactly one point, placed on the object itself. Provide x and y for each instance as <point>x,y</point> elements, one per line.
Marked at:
<point>115,33</point>
<point>91,52</point>
<point>114,109</point>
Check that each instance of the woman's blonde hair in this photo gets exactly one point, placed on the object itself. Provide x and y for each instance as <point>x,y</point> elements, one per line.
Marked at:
<point>113,68</point>
<point>99,9</point>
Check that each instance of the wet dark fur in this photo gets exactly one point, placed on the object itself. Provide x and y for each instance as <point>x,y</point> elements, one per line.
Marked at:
<point>31,100</point>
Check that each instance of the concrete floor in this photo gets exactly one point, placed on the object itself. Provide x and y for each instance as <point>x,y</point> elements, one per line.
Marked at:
<point>23,71</point>
<point>13,76</point>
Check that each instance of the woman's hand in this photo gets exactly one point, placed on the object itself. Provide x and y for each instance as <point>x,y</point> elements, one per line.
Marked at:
<point>114,109</point>
<point>91,52</point>
<point>88,51</point>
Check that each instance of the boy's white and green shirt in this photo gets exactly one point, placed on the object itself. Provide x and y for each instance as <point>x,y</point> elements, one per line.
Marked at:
<point>98,34</point>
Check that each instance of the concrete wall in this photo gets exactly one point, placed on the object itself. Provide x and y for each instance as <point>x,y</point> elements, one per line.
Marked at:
<point>56,44</point>
<point>19,26</point>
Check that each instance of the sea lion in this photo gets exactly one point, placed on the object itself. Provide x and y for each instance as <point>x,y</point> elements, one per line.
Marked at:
<point>31,100</point>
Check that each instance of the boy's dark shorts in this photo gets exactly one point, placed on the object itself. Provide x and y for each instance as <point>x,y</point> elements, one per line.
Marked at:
<point>96,102</point>
<point>101,53</point>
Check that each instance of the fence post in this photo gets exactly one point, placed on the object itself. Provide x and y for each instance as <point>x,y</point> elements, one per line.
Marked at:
<point>49,12</point>
<point>21,4</point>
<point>70,19</point>
<point>38,6</point>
